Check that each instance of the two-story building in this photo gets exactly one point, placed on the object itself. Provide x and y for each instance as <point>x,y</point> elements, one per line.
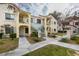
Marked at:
<point>13,19</point>
<point>45,24</point>
<point>72,24</point>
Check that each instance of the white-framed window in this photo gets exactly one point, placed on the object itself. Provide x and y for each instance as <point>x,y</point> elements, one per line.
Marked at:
<point>54,29</point>
<point>31,20</point>
<point>9,16</point>
<point>38,21</point>
<point>9,29</point>
<point>54,22</point>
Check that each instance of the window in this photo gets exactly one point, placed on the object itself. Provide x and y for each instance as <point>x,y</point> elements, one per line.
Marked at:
<point>27,20</point>
<point>9,16</point>
<point>31,20</point>
<point>74,31</point>
<point>54,22</point>
<point>38,21</point>
<point>76,23</point>
<point>54,29</point>
<point>9,29</point>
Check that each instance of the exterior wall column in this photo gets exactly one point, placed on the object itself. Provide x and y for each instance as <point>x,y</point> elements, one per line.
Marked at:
<point>29,24</point>
<point>45,27</point>
<point>17,24</point>
<point>17,31</point>
<point>51,26</point>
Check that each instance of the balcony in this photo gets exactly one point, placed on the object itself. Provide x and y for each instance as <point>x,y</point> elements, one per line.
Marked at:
<point>23,18</point>
<point>23,21</point>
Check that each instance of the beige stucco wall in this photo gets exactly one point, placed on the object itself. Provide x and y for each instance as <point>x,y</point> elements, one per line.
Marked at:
<point>15,23</point>
<point>3,21</point>
<point>51,25</point>
<point>54,26</point>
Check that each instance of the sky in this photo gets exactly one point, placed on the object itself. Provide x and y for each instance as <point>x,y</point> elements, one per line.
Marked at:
<point>46,8</point>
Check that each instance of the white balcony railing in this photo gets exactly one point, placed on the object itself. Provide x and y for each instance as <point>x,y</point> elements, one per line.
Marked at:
<point>23,21</point>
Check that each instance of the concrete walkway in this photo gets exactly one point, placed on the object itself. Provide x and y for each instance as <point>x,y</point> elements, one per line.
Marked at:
<point>22,49</point>
<point>26,48</point>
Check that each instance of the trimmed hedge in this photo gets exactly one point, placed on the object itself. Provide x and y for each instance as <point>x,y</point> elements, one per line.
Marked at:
<point>76,39</point>
<point>34,34</point>
<point>1,34</point>
<point>13,35</point>
<point>64,40</point>
<point>62,31</point>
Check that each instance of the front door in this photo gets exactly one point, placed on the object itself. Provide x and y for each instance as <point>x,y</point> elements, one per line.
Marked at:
<point>26,30</point>
<point>22,31</point>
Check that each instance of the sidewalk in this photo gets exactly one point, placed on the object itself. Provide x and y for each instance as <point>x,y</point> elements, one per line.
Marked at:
<point>24,49</point>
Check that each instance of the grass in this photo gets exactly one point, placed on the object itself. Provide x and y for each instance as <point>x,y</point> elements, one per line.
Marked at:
<point>52,50</point>
<point>60,34</point>
<point>8,44</point>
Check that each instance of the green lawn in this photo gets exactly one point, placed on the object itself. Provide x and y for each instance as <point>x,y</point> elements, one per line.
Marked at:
<point>52,50</point>
<point>60,34</point>
<point>8,44</point>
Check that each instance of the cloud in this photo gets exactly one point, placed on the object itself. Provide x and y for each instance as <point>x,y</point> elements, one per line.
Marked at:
<point>46,8</point>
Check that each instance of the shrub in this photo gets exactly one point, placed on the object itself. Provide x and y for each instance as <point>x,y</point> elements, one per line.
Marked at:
<point>13,35</point>
<point>1,34</point>
<point>34,34</point>
<point>62,31</point>
<point>52,35</point>
<point>74,38</point>
<point>64,40</point>
<point>77,41</point>
<point>35,39</point>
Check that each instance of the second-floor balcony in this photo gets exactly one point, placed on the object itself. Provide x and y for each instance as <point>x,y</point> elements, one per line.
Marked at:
<point>23,21</point>
<point>24,18</point>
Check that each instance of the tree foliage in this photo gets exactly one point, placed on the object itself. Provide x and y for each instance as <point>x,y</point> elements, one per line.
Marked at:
<point>56,15</point>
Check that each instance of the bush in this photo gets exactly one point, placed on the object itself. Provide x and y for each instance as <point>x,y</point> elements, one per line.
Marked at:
<point>34,34</point>
<point>62,31</point>
<point>52,35</point>
<point>64,40</point>
<point>35,39</point>
<point>13,35</point>
<point>74,38</point>
<point>77,41</point>
<point>1,34</point>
